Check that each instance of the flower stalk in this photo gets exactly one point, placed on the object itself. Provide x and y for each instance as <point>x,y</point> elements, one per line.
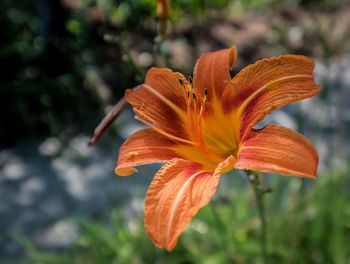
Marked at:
<point>259,192</point>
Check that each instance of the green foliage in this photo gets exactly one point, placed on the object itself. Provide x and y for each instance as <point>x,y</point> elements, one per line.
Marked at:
<point>48,49</point>
<point>308,222</point>
<point>41,82</point>
<point>268,3</point>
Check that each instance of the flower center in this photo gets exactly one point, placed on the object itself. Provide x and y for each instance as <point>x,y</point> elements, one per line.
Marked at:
<point>213,131</point>
<point>212,134</point>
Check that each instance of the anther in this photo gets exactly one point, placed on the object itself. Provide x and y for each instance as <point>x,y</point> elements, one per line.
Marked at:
<point>190,80</point>
<point>181,83</point>
<point>194,96</point>
<point>205,91</point>
<point>188,94</point>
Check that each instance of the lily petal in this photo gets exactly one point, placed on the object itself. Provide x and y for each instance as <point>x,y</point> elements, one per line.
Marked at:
<point>212,71</point>
<point>177,192</point>
<point>160,101</point>
<point>267,85</point>
<point>144,146</point>
<point>279,150</point>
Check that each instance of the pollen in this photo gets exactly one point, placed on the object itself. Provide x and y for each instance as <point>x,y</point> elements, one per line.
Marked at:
<point>190,80</point>
<point>181,83</point>
<point>132,154</point>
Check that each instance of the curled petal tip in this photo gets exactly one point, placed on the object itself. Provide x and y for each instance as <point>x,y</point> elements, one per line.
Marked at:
<point>233,56</point>
<point>124,171</point>
<point>144,146</point>
<point>212,70</point>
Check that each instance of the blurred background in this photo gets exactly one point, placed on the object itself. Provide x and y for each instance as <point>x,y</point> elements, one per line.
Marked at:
<point>65,63</point>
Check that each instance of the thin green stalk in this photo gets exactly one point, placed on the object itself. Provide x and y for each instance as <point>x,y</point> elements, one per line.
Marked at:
<point>259,191</point>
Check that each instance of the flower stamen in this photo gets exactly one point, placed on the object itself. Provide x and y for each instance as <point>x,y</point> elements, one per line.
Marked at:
<point>173,106</point>
<point>163,132</point>
<point>190,80</point>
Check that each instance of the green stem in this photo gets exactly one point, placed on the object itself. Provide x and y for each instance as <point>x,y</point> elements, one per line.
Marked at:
<point>259,191</point>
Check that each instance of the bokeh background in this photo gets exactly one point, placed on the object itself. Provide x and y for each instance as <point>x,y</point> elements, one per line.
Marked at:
<point>65,63</point>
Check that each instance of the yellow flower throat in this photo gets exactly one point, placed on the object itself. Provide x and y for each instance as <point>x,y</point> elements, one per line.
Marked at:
<point>212,134</point>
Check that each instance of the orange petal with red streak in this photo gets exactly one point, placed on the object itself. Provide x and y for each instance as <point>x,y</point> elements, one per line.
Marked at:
<point>177,192</point>
<point>279,150</point>
<point>267,85</point>
<point>212,71</point>
<point>145,146</point>
<point>160,100</point>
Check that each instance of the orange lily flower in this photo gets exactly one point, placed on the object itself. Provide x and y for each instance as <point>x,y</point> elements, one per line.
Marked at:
<point>204,128</point>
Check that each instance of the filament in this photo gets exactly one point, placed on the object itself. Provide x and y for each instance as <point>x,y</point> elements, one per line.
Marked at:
<point>163,132</point>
